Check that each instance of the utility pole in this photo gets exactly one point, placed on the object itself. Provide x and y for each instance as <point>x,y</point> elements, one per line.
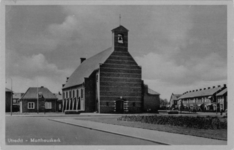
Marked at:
<point>11,96</point>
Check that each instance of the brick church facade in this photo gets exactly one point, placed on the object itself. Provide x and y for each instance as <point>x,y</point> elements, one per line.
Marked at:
<point>109,82</point>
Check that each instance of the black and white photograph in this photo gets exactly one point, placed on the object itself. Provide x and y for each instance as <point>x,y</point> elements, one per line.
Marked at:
<point>102,74</point>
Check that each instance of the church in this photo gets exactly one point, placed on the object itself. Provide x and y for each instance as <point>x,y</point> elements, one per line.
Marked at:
<point>109,82</point>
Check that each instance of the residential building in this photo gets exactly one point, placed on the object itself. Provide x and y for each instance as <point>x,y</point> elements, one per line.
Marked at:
<point>222,99</point>
<point>201,99</point>
<point>8,99</point>
<point>38,99</point>
<point>16,101</point>
<point>108,82</point>
<point>174,100</point>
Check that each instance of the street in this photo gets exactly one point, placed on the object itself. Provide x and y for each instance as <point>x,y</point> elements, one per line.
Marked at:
<point>41,131</point>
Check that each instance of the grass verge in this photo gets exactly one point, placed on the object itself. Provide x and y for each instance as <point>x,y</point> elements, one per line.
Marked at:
<point>220,134</point>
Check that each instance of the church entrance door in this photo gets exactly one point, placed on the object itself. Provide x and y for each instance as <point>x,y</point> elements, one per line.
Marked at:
<point>119,106</point>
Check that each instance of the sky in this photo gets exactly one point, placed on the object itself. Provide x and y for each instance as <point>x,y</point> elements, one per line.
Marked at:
<point>179,47</point>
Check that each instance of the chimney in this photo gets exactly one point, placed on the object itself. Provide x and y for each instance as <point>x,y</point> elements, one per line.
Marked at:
<point>67,79</point>
<point>63,85</point>
<point>204,88</point>
<point>200,89</point>
<point>218,85</point>
<point>208,87</point>
<point>82,59</point>
<point>42,86</point>
<point>224,85</point>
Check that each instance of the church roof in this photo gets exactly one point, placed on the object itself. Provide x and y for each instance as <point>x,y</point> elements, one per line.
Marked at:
<point>87,67</point>
<point>150,91</point>
<point>120,29</point>
<point>32,92</point>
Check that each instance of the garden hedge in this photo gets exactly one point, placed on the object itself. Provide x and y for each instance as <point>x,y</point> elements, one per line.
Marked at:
<point>183,121</point>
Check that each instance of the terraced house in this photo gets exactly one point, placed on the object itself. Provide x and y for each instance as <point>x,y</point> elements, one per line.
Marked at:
<point>202,99</point>
<point>109,82</point>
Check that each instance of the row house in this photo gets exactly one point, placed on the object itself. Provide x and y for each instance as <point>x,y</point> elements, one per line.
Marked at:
<point>201,99</point>
<point>222,99</point>
<point>109,82</point>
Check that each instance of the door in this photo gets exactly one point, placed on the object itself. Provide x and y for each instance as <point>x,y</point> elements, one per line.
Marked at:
<point>119,106</point>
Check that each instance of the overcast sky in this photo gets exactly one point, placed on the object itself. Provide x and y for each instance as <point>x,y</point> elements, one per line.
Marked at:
<point>180,48</point>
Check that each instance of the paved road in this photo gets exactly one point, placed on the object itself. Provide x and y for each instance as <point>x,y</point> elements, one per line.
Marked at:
<point>32,130</point>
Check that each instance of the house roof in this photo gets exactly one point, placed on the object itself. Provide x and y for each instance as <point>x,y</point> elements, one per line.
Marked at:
<point>31,93</point>
<point>8,90</point>
<point>87,67</point>
<point>17,95</point>
<point>175,96</point>
<point>207,92</point>
<point>222,92</point>
<point>59,96</point>
<point>150,91</point>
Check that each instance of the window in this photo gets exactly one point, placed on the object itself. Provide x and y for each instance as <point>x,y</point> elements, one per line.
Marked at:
<point>82,93</point>
<point>48,105</point>
<point>133,104</point>
<point>77,93</point>
<point>31,105</point>
<point>107,103</point>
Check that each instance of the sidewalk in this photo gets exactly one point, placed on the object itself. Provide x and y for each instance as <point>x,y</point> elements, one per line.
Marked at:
<point>150,135</point>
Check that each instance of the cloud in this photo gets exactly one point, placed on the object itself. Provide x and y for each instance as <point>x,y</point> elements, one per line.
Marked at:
<point>30,69</point>
<point>160,67</point>
<point>21,84</point>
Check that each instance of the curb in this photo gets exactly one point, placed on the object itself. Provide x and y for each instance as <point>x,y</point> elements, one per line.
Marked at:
<point>137,137</point>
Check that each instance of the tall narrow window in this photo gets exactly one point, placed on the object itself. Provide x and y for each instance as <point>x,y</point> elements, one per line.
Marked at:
<point>82,93</point>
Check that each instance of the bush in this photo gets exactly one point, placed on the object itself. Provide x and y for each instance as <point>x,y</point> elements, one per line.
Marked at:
<point>184,121</point>
<point>72,112</point>
<point>172,112</point>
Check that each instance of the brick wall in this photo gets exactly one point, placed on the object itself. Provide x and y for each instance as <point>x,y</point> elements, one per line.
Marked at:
<point>90,93</point>
<point>151,102</point>
<point>41,106</point>
<point>120,76</point>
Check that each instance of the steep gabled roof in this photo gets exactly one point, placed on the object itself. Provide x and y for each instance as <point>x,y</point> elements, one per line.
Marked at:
<point>207,92</point>
<point>32,92</point>
<point>120,29</point>
<point>222,92</point>
<point>86,68</point>
<point>175,97</point>
<point>150,91</point>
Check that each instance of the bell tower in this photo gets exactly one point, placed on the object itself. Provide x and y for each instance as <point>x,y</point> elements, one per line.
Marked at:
<point>120,38</point>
